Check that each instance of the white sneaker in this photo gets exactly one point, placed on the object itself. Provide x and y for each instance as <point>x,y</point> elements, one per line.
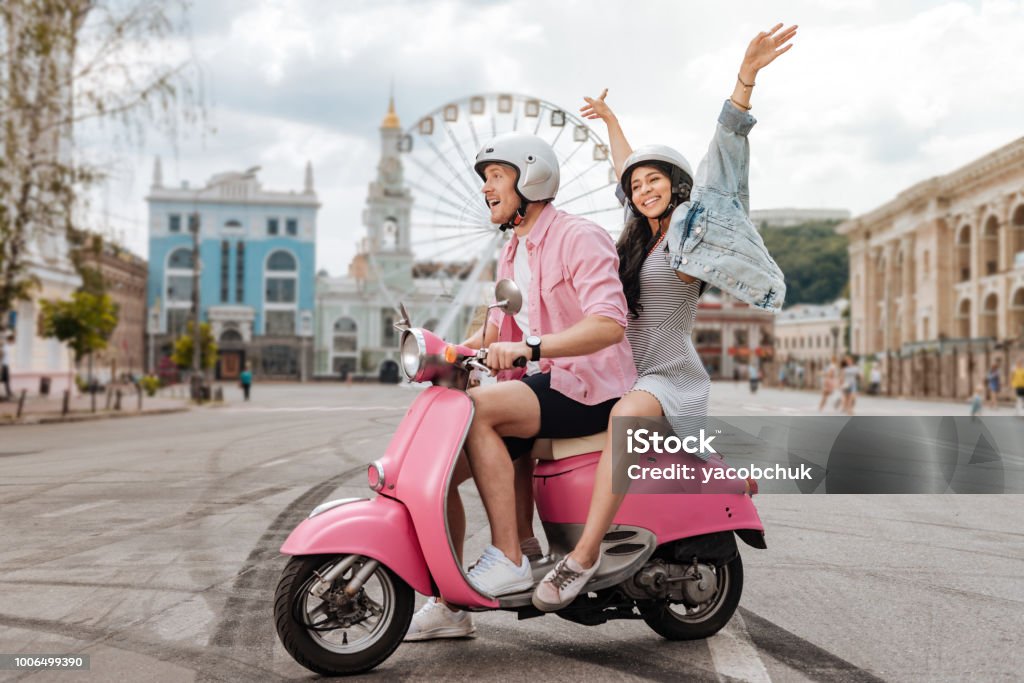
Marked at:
<point>434,620</point>
<point>496,575</point>
<point>562,584</point>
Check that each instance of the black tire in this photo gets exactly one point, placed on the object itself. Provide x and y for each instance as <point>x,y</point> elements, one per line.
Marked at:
<point>304,648</point>
<point>674,626</point>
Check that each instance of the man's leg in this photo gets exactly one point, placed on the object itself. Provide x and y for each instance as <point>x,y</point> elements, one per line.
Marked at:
<point>524,497</point>
<point>504,409</point>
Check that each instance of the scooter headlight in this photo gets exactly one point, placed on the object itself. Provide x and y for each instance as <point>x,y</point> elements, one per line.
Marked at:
<point>414,353</point>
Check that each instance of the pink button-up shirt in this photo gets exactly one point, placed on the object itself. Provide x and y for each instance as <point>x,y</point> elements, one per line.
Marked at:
<point>575,274</point>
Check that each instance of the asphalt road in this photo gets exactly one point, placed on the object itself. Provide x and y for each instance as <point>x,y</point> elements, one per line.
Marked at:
<point>151,543</point>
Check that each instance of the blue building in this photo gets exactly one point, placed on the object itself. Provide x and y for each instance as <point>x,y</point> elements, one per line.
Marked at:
<point>257,260</point>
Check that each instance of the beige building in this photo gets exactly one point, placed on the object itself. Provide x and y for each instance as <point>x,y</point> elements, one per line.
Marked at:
<point>124,276</point>
<point>729,335</point>
<point>937,277</point>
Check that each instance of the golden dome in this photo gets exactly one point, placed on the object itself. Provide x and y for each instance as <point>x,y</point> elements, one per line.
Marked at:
<point>391,118</point>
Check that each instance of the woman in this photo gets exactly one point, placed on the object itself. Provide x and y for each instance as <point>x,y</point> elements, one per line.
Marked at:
<point>850,378</point>
<point>992,380</point>
<point>663,300</point>
<point>828,383</point>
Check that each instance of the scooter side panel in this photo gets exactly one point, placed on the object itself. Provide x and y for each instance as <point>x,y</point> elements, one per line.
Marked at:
<point>565,499</point>
<point>380,528</point>
<point>441,427</point>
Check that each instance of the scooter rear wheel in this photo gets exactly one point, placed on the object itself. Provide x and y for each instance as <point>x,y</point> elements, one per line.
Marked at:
<point>314,630</point>
<point>675,622</point>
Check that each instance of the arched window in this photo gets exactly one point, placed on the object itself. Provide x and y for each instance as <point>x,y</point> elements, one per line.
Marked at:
<point>990,316</point>
<point>963,318</point>
<point>1016,328</point>
<point>280,293</point>
<point>990,247</point>
<point>281,260</point>
<point>230,336</point>
<point>963,254</point>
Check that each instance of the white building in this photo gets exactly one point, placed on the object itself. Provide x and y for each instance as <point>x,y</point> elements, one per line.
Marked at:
<point>355,314</point>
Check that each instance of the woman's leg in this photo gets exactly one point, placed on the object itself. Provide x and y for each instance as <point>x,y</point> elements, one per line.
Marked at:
<point>604,503</point>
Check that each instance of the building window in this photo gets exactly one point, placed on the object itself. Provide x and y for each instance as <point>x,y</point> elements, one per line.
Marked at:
<point>233,224</point>
<point>180,259</point>
<point>225,271</point>
<point>272,226</point>
<point>280,323</point>
<point>177,321</point>
<point>280,360</point>
<point>193,222</point>
<point>708,338</point>
<point>280,293</point>
<point>240,272</point>
<point>174,222</point>
<point>346,339</point>
<point>291,227</point>
<point>387,335</point>
<point>280,290</point>
<point>739,338</point>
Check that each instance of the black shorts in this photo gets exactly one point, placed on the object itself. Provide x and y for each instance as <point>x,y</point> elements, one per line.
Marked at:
<point>560,416</point>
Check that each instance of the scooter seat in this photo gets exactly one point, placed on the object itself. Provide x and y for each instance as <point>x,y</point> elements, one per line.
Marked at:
<point>560,449</point>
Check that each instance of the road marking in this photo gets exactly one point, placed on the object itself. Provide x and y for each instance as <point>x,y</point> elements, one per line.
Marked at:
<point>275,462</point>
<point>78,508</point>
<point>735,655</point>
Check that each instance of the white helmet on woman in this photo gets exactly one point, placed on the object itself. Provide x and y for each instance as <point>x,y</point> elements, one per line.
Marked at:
<point>534,161</point>
<point>679,170</point>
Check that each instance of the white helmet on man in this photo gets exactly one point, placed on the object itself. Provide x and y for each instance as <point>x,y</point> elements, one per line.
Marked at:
<point>534,161</point>
<point>679,170</point>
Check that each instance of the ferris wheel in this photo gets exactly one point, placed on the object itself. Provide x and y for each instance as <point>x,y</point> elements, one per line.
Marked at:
<point>450,221</point>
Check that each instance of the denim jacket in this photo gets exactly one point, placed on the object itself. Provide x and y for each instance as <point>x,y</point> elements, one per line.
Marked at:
<point>711,237</point>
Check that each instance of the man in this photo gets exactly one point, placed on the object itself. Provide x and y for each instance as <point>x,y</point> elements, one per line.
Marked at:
<point>6,354</point>
<point>571,330</point>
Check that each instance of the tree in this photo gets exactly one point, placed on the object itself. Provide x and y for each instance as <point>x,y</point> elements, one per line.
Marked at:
<point>813,259</point>
<point>84,323</point>
<point>182,355</point>
<point>65,64</point>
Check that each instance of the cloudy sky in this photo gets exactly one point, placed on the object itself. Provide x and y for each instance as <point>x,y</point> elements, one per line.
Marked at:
<point>873,97</point>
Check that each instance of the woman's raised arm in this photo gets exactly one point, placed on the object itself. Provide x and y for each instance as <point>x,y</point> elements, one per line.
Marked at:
<point>761,52</point>
<point>596,108</point>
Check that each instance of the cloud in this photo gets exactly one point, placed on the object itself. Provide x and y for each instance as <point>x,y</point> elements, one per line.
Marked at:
<point>872,98</point>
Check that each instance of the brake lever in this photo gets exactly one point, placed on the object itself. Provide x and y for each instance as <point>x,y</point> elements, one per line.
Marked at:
<point>477,365</point>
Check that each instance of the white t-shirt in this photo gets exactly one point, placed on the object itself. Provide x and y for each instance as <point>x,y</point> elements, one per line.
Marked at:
<point>523,277</point>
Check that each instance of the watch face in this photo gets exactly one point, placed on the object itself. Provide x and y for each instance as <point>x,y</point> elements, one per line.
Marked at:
<point>533,340</point>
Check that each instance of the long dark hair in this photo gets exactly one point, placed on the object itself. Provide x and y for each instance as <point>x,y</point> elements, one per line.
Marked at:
<point>637,239</point>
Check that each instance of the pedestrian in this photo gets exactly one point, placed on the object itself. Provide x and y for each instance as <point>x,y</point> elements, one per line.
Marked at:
<point>246,379</point>
<point>755,377</point>
<point>782,376</point>
<point>800,375</point>
<point>850,376</point>
<point>976,401</point>
<point>1017,382</point>
<point>828,383</point>
<point>876,380</point>
<point>992,380</point>
<point>6,353</point>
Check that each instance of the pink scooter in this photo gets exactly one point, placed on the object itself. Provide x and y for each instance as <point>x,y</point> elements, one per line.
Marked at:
<point>345,598</point>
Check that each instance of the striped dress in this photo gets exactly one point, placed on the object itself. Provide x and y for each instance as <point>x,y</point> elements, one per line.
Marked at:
<point>667,363</point>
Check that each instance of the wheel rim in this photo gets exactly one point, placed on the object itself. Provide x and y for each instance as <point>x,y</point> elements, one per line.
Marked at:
<point>356,625</point>
<point>704,611</point>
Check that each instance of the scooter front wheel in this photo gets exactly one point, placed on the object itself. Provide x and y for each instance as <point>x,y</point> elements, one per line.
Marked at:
<point>679,622</point>
<point>341,632</point>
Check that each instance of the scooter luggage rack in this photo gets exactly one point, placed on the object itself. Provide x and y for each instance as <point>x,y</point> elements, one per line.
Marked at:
<point>624,550</point>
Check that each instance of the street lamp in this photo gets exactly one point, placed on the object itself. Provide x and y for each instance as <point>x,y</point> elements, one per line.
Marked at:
<point>197,378</point>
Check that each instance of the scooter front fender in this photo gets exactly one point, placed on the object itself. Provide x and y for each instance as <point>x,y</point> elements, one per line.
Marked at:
<point>380,528</point>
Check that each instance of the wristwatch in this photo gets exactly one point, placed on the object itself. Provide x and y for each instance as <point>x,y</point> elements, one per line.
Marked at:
<point>533,341</point>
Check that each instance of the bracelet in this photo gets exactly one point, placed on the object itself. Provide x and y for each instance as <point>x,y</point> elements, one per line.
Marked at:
<point>745,85</point>
<point>740,106</point>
